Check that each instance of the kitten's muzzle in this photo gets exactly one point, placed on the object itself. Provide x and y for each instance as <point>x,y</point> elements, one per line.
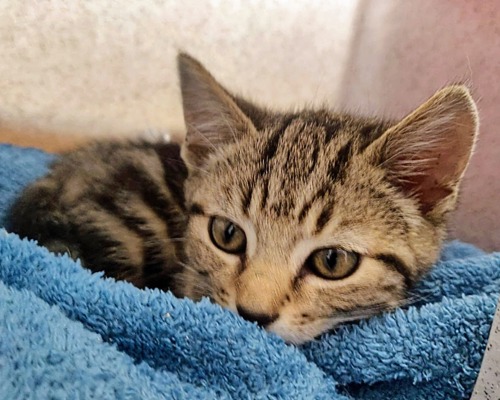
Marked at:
<point>262,320</point>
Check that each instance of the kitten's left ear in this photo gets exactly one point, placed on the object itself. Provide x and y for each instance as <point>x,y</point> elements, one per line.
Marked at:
<point>212,116</point>
<point>427,152</point>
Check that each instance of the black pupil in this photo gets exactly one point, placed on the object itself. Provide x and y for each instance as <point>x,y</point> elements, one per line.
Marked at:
<point>229,232</point>
<point>331,259</point>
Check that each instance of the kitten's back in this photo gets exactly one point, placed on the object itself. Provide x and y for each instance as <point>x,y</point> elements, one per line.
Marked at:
<point>118,206</point>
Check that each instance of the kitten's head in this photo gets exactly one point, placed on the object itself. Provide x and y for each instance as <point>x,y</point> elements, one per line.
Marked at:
<point>305,220</point>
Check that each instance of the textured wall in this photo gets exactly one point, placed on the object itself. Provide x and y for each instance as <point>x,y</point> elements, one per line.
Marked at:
<point>107,67</point>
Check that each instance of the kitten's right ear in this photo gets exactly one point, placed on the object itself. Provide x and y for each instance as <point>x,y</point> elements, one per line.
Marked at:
<point>212,117</point>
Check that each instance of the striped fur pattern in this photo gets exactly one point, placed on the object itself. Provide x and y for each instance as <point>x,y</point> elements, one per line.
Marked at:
<point>119,207</point>
<point>294,183</point>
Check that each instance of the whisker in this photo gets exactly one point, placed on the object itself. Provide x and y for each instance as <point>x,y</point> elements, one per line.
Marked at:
<point>357,313</point>
<point>415,299</point>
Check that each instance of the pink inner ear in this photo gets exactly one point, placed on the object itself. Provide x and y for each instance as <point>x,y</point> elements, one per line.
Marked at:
<point>438,166</point>
<point>427,190</point>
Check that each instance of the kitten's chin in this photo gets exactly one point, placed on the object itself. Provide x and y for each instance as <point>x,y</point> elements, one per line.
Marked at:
<point>297,334</point>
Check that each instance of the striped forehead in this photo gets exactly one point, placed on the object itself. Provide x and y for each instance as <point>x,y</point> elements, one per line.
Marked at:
<point>299,158</point>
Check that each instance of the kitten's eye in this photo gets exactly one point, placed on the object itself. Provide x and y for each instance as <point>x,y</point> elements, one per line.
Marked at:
<point>227,236</point>
<point>333,263</point>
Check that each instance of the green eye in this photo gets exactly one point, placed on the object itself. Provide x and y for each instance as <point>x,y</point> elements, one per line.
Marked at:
<point>227,236</point>
<point>333,263</point>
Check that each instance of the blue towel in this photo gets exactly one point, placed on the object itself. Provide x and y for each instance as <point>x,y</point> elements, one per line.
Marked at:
<point>67,333</point>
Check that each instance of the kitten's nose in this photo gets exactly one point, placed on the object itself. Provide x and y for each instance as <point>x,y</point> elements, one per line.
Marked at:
<point>261,319</point>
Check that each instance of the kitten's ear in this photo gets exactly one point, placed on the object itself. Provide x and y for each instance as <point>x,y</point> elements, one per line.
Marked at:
<point>212,117</point>
<point>427,152</point>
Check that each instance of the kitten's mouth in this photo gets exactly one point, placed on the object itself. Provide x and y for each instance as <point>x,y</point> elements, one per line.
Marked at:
<point>302,333</point>
<point>263,320</point>
<point>291,335</point>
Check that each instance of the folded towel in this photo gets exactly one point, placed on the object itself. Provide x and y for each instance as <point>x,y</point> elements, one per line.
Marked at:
<point>45,355</point>
<point>65,332</point>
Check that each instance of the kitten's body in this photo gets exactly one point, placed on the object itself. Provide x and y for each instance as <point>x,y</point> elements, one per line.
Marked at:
<point>291,185</point>
<point>118,206</point>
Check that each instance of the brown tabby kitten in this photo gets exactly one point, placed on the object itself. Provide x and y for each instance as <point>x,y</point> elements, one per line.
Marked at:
<point>298,221</point>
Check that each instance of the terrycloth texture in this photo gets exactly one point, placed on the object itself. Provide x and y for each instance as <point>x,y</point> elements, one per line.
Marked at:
<point>65,332</point>
<point>43,355</point>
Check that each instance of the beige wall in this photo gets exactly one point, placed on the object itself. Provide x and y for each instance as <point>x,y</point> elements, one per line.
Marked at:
<point>107,67</point>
